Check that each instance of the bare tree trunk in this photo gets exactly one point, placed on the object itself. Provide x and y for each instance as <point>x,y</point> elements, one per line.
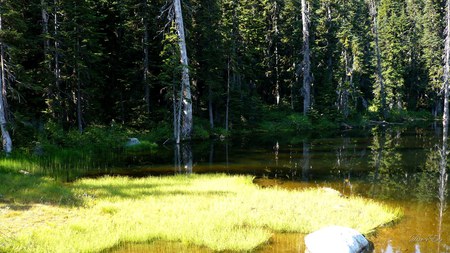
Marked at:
<point>146,70</point>
<point>293,86</point>
<point>277,55</point>
<point>344,86</point>
<point>176,113</point>
<point>47,57</point>
<point>78,77</point>
<point>175,118</point>
<point>6,138</point>
<point>442,194</point>
<point>227,110</point>
<point>79,106</point>
<point>57,70</point>
<point>45,33</point>
<point>186,98</point>
<point>374,14</point>
<point>210,107</point>
<point>306,59</point>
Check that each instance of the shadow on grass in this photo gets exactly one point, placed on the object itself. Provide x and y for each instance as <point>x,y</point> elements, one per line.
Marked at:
<point>17,188</point>
<point>134,190</point>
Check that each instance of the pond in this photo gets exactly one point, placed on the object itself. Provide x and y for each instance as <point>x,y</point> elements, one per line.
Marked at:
<point>398,166</point>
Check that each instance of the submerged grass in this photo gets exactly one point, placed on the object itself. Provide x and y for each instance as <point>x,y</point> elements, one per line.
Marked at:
<point>217,211</point>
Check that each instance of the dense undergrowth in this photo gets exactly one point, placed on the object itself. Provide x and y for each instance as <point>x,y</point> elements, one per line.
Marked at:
<point>66,154</point>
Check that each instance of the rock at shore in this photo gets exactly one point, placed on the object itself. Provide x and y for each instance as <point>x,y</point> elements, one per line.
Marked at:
<point>337,239</point>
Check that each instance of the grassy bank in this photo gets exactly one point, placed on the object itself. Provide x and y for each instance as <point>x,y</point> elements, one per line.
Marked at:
<point>217,211</point>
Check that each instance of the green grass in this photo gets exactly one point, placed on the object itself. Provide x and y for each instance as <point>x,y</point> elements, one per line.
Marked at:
<point>217,211</point>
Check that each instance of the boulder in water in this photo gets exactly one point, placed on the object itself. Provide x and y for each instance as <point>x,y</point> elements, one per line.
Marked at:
<point>337,239</point>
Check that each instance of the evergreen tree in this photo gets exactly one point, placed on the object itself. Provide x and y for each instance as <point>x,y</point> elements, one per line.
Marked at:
<point>432,46</point>
<point>393,24</point>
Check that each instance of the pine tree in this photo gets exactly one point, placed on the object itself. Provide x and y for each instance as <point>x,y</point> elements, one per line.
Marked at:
<point>432,46</point>
<point>393,24</point>
<point>380,88</point>
<point>208,58</point>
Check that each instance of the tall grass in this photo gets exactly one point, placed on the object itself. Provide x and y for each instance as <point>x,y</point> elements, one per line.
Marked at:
<point>217,211</point>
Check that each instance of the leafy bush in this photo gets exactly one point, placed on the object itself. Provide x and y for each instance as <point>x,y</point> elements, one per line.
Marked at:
<point>324,123</point>
<point>404,115</point>
<point>143,147</point>
<point>159,132</point>
<point>201,129</point>
<point>300,122</point>
<point>285,121</point>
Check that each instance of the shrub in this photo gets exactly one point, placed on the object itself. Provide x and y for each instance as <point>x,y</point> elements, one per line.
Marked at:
<point>143,147</point>
<point>299,122</point>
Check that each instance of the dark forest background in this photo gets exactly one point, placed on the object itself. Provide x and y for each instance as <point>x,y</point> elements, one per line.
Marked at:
<point>71,64</point>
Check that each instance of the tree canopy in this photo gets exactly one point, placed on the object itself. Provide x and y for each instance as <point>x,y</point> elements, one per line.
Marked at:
<point>77,63</point>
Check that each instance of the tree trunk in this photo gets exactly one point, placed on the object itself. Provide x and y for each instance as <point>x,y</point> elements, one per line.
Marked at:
<point>306,59</point>
<point>277,55</point>
<point>145,45</point>
<point>45,33</point>
<point>374,14</point>
<point>296,73</point>
<point>344,86</point>
<point>78,77</point>
<point>210,107</point>
<point>57,71</point>
<point>6,138</point>
<point>442,194</point>
<point>79,106</point>
<point>176,121</point>
<point>186,123</point>
<point>227,109</point>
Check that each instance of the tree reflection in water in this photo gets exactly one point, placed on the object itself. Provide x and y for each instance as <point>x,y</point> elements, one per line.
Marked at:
<point>388,174</point>
<point>183,158</point>
<point>442,189</point>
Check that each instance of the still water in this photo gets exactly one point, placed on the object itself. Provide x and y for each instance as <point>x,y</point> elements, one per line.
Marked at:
<point>398,166</point>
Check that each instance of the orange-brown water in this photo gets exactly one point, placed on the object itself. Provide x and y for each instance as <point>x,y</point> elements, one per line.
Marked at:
<point>399,167</point>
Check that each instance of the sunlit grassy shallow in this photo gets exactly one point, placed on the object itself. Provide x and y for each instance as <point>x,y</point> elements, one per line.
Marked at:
<point>216,211</point>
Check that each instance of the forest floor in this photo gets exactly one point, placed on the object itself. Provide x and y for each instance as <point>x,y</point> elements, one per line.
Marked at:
<point>216,211</point>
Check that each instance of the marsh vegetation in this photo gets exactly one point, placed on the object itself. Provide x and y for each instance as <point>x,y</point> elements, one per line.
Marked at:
<point>216,211</point>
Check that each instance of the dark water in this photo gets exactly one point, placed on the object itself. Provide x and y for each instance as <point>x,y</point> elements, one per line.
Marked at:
<point>398,166</point>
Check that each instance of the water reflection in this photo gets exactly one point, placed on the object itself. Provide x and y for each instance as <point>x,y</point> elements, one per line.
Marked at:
<point>306,166</point>
<point>442,192</point>
<point>389,174</point>
<point>183,158</point>
<point>399,166</point>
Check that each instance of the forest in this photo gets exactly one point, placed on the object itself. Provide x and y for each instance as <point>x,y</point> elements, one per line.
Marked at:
<point>244,64</point>
<point>250,124</point>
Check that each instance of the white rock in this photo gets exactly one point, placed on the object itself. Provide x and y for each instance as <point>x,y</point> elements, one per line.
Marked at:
<point>336,239</point>
<point>132,142</point>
